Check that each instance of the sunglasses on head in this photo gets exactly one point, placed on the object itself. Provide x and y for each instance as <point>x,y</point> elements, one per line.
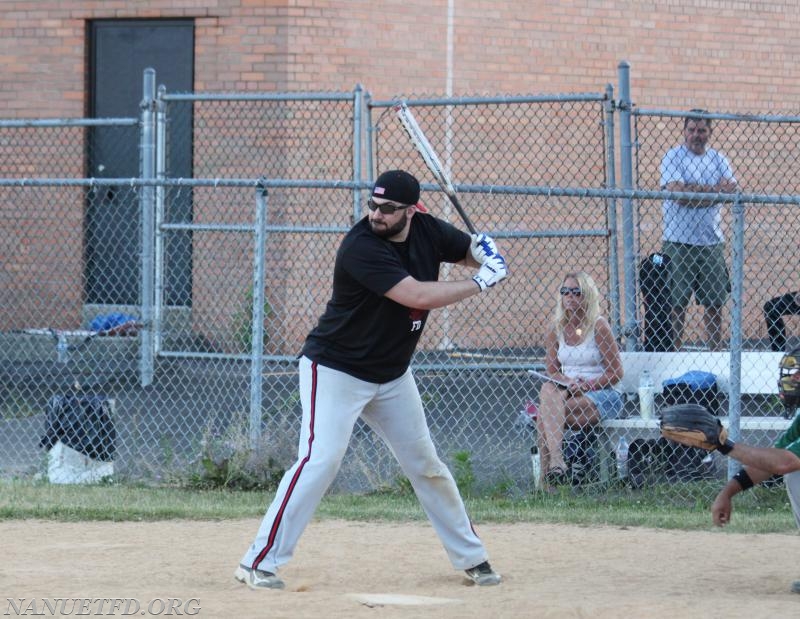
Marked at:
<point>565,290</point>
<point>387,209</point>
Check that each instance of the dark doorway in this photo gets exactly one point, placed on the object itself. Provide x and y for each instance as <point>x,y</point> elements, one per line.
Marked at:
<point>120,51</point>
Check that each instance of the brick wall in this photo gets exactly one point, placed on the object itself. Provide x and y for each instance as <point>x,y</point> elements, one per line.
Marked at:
<point>723,55</point>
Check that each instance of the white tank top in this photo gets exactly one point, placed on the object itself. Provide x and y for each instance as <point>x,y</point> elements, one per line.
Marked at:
<point>581,361</point>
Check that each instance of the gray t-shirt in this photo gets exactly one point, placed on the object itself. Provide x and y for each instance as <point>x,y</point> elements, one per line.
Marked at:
<point>693,225</point>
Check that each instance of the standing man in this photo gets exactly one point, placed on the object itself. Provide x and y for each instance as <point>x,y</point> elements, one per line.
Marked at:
<point>355,363</point>
<point>692,236</point>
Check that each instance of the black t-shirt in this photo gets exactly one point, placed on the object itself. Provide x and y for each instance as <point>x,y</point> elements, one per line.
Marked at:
<point>362,332</point>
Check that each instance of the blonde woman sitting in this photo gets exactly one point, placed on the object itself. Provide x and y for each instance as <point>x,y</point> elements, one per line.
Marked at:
<point>582,354</point>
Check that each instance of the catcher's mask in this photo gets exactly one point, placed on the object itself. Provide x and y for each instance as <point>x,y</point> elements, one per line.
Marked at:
<point>788,383</point>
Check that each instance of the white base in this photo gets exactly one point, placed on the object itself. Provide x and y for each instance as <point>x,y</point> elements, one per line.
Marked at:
<point>67,466</point>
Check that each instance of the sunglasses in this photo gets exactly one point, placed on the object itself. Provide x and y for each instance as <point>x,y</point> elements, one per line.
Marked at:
<point>386,209</point>
<point>573,291</point>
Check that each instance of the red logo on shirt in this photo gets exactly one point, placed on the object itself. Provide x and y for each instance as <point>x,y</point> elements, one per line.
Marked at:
<point>416,317</point>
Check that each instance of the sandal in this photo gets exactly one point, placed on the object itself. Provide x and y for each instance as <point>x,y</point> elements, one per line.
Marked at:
<point>557,476</point>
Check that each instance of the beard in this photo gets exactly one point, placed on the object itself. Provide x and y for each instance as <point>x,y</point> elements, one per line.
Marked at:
<point>698,148</point>
<point>385,231</point>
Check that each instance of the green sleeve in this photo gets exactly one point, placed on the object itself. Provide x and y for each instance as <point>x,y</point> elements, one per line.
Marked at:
<point>790,439</point>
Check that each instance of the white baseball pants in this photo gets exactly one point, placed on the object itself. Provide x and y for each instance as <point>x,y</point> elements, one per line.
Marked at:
<point>332,402</point>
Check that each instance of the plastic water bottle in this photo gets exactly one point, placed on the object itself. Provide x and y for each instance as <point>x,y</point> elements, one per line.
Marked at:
<point>62,348</point>
<point>646,393</point>
<point>536,464</point>
<point>622,458</point>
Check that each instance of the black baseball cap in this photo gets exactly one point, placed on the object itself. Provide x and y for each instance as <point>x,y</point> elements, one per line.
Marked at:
<point>397,186</point>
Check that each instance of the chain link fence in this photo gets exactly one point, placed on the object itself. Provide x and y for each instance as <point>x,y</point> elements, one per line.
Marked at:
<point>180,296</point>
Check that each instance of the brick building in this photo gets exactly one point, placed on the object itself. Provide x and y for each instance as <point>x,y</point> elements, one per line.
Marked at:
<point>722,55</point>
<point>726,55</point>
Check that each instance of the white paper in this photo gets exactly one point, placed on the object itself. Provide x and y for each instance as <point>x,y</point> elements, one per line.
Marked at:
<point>548,378</point>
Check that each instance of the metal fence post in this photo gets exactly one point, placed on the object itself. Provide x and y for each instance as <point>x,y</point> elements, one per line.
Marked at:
<point>161,174</point>
<point>146,203</point>
<point>358,120</point>
<point>611,206</point>
<point>257,353</point>
<point>369,137</point>
<point>628,245</point>
<point>737,286</point>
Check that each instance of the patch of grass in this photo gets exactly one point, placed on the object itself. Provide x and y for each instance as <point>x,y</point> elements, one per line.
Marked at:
<point>109,501</point>
<point>760,510</point>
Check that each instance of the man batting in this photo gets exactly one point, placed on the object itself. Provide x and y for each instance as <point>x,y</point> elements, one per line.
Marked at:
<point>693,425</point>
<point>355,363</point>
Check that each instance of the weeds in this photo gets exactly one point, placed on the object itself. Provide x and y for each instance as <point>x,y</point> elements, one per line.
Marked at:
<point>229,459</point>
<point>464,473</point>
<point>242,328</point>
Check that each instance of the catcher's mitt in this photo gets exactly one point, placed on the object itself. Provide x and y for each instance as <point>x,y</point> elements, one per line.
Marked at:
<point>693,425</point>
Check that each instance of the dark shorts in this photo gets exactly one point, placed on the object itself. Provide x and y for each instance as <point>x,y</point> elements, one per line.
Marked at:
<point>698,270</point>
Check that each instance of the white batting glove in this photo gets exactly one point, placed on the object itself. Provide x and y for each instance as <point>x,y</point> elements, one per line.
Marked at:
<point>482,247</point>
<point>493,270</point>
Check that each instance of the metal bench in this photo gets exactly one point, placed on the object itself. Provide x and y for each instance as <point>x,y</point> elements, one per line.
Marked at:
<point>759,372</point>
<point>758,375</point>
<point>754,430</point>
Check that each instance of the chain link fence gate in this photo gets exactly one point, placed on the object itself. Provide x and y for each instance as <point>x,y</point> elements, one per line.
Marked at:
<point>538,173</point>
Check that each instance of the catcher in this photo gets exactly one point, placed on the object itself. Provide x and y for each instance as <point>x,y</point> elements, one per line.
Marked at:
<point>693,425</point>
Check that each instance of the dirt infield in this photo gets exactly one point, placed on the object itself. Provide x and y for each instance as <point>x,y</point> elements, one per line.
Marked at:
<point>351,569</point>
